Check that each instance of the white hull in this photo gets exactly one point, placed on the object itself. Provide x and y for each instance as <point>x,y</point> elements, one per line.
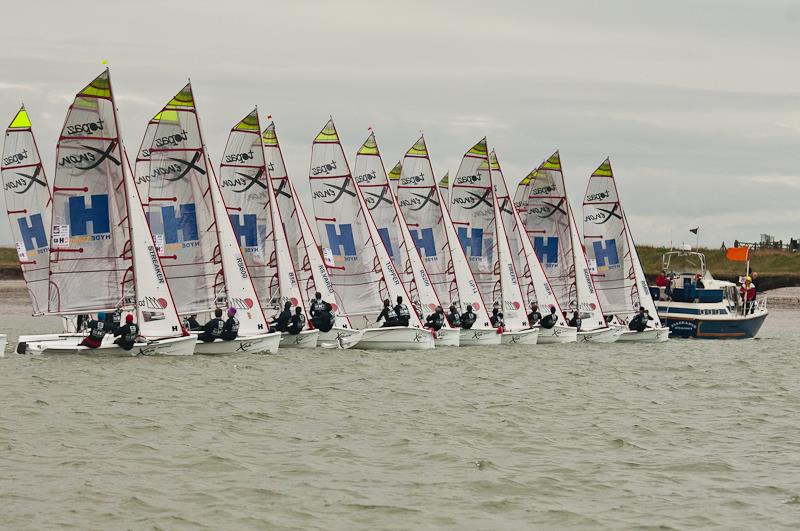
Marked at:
<point>557,334</point>
<point>3,340</point>
<point>24,342</point>
<point>649,335</point>
<point>173,346</point>
<point>480,337</point>
<point>448,337</point>
<point>601,335</point>
<point>305,339</point>
<point>396,338</point>
<point>338,337</point>
<point>522,337</point>
<point>257,344</point>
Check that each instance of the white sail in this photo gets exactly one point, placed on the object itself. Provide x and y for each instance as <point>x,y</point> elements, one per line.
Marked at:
<point>28,204</point>
<point>359,264</point>
<point>382,204</point>
<point>172,177</point>
<point>589,307</point>
<point>312,274</point>
<point>618,276</point>
<point>434,234</point>
<point>533,282</point>
<point>394,176</point>
<point>444,188</point>
<point>89,240</point>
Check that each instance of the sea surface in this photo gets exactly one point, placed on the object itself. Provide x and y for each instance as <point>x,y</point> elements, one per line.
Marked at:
<point>687,434</point>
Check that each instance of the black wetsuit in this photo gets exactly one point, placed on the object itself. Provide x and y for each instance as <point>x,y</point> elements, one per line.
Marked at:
<point>193,324</point>
<point>127,335</point>
<point>497,320</point>
<point>298,324</point>
<point>403,315</point>
<point>468,319</point>
<point>97,331</point>
<point>322,318</point>
<point>576,322</point>
<point>283,320</point>
<point>548,321</point>
<point>112,322</point>
<point>212,330</point>
<point>454,319</point>
<point>639,322</point>
<point>534,317</point>
<point>231,329</point>
<point>435,321</point>
<point>389,317</point>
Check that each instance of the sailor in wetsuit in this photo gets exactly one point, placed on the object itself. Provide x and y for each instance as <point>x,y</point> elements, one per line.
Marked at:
<point>126,333</point>
<point>534,316</point>
<point>231,327</point>
<point>388,314</point>
<point>435,321</point>
<point>192,324</point>
<point>284,319</point>
<point>453,317</point>
<point>212,329</point>
<point>298,322</point>
<point>639,321</point>
<point>550,320</point>
<point>497,319</point>
<point>403,315</point>
<point>322,315</point>
<point>113,321</point>
<point>576,320</point>
<point>468,318</point>
<point>97,330</point>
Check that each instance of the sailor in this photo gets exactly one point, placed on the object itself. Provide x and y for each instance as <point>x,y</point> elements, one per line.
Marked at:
<point>468,318</point>
<point>97,330</point>
<point>453,317</point>
<point>497,318</point>
<point>435,321</point>
<point>388,314</point>
<point>212,329</point>
<point>550,320</point>
<point>403,315</point>
<point>639,321</point>
<point>192,324</point>
<point>126,333</point>
<point>322,315</point>
<point>284,318</point>
<point>298,322</point>
<point>576,320</point>
<point>231,327</point>
<point>113,321</point>
<point>534,316</point>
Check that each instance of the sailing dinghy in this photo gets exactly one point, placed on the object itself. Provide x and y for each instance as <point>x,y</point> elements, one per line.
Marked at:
<point>438,244</point>
<point>370,175</point>
<point>102,254</point>
<point>551,226</point>
<point>189,220</point>
<point>312,274</point>
<point>617,272</point>
<point>358,262</point>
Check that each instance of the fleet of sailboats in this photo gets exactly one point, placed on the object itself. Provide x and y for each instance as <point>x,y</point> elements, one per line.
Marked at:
<point>384,254</point>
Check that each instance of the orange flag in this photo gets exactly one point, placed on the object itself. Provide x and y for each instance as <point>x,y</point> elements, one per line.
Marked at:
<point>738,254</point>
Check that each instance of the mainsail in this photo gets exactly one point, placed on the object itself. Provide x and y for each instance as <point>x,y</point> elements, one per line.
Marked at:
<point>28,204</point>
<point>434,234</point>
<point>360,267</point>
<point>618,277</point>
<point>312,275</point>
<point>394,176</point>
<point>382,204</point>
<point>172,177</point>
<point>444,187</point>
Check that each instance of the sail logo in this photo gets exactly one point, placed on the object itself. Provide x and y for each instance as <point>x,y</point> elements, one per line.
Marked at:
<point>546,249</point>
<point>153,303</point>
<point>606,255</point>
<point>599,196</point>
<point>153,253</point>
<point>412,179</point>
<point>159,173</point>
<point>334,191</point>
<point>604,215</point>
<point>471,241</point>
<point>32,231</point>
<point>373,200</point>
<point>341,241</point>
<point>240,157</point>
<point>81,216</point>
<point>87,128</point>
<point>16,158</point>
<point>544,189</point>
<point>180,227</point>
<point>241,303</point>
<point>467,179</point>
<point>366,178</point>
<point>424,242</point>
<point>324,168</point>
<point>171,140</point>
<point>245,181</point>
<point>24,182</point>
<point>92,156</point>
<point>464,201</point>
<point>144,154</point>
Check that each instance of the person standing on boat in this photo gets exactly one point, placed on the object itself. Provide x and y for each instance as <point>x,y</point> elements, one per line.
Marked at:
<point>576,320</point>
<point>435,321</point>
<point>97,330</point>
<point>403,315</point>
<point>212,329</point>
<point>639,321</point>
<point>388,314</point>
<point>230,329</point>
<point>127,333</point>
<point>534,316</point>
<point>298,322</point>
<point>468,318</point>
<point>748,293</point>
<point>322,315</point>
<point>453,317</point>
<point>550,320</point>
<point>281,324</point>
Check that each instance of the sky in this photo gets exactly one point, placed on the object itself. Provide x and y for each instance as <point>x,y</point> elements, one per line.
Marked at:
<point>696,102</point>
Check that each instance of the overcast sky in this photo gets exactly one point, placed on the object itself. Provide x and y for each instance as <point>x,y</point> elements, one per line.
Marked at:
<point>696,102</point>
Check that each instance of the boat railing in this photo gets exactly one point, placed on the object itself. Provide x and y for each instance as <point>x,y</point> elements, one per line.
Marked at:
<point>749,308</point>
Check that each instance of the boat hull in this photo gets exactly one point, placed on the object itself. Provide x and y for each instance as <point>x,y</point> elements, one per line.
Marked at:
<point>305,339</point>
<point>258,344</point>
<point>396,338</point>
<point>476,337</point>
<point>557,334</point>
<point>522,337</point>
<point>601,335</point>
<point>23,342</point>
<point>448,337</point>
<point>338,337</point>
<point>649,335</point>
<point>174,346</point>
<point>738,327</point>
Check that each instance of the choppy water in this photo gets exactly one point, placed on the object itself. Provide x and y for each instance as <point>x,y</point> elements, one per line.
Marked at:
<point>677,435</point>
